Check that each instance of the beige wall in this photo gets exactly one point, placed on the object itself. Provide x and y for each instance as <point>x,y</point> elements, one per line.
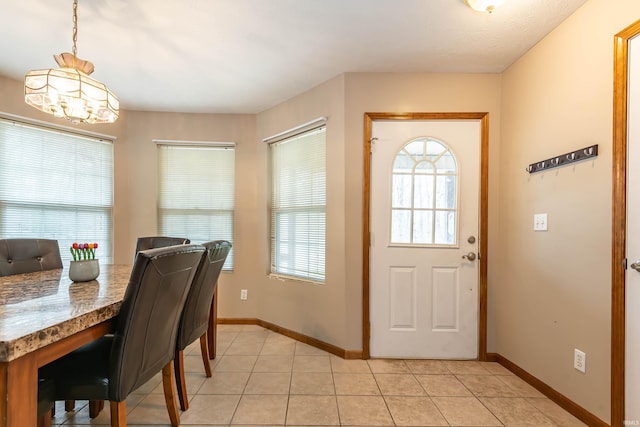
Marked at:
<point>333,312</point>
<point>419,92</point>
<point>552,290</point>
<point>316,310</point>
<point>137,159</point>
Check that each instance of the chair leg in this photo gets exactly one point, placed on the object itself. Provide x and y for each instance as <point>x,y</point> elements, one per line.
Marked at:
<point>69,405</point>
<point>169,394</point>
<point>181,385</point>
<point>204,350</point>
<point>45,419</point>
<point>95,407</point>
<point>212,330</point>
<point>118,413</point>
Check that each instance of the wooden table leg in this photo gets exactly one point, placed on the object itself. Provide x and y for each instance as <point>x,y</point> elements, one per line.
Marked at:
<point>20,406</point>
<point>212,331</point>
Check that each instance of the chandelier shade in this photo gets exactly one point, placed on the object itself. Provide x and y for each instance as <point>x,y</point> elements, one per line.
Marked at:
<point>68,91</point>
<point>72,94</point>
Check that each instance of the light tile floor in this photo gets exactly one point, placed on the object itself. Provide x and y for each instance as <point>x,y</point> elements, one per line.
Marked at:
<point>261,378</point>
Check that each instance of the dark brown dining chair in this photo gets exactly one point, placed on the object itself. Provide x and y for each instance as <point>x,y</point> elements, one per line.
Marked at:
<point>142,244</point>
<point>19,256</point>
<point>195,316</point>
<point>144,339</point>
<point>152,242</point>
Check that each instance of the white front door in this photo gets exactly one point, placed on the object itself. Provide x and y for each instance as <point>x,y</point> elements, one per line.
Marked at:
<point>425,184</point>
<point>632,357</point>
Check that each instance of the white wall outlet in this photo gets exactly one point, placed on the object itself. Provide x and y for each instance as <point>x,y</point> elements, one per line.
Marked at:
<point>540,222</point>
<point>243,294</point>
<point>579,360</point>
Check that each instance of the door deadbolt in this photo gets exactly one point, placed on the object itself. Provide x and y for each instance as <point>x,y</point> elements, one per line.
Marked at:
<point>636,265</point>
<point>471,239</point>
<point>472,256</point>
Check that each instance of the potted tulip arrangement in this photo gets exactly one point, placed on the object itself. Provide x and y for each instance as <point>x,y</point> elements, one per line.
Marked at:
<point>85,266</point>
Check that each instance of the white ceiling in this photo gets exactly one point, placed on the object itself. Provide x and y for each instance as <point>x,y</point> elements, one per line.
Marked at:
<point>244,56</point>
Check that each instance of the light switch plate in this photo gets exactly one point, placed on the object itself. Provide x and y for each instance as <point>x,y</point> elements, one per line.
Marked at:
<point>540,222</point>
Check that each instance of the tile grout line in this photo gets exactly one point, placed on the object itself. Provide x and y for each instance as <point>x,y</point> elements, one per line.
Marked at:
<point>235,410</point>
<point>518,396</point>
<point>428,395</point>
<point>335,391</point>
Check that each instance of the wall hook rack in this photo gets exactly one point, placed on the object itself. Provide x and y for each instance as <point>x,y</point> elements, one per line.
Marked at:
<point>564,159</point>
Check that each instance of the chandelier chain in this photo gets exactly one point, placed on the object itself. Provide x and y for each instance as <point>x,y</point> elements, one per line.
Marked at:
<point>75,26</point>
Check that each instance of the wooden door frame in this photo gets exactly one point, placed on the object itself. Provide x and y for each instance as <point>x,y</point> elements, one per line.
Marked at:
<point>619,213</point>
<point>369,118</point>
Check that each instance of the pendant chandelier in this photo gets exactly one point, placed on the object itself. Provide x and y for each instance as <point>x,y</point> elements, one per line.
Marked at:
<point>68,91</point>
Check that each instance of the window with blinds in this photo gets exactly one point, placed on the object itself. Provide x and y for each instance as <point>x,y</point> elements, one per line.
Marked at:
<point>56,184</point>
<point>298,190</point>
<point>196,192</point>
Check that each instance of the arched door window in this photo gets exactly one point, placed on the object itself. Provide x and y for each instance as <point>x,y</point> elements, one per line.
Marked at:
<point>424,197</point>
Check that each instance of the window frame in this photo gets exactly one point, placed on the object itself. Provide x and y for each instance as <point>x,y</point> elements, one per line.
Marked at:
<point>103,211</point>
<point>163,144</point>
<point>290,136</point>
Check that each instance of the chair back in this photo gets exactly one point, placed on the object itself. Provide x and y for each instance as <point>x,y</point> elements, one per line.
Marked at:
<point>19,256</point>
<point>195,317</point>
<point>147,326</point>
<point>152,242</point>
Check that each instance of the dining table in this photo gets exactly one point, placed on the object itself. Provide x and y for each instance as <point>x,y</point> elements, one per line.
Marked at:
<point>43,316</point>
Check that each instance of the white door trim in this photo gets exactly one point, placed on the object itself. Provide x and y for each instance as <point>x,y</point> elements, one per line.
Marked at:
<point>369,118</point>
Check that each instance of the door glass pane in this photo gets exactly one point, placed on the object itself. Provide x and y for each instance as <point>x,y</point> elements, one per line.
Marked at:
<point>434,149</point>
<point>400,226</point>
<point>423,227</point>
<point>403,163</point>
<point>423,192</point>
<point>401,191</point>
<point>416,149</point>
<point>445,227</point>
<point>446,191</point>
<point>446,163</point>
<point>425,167</point>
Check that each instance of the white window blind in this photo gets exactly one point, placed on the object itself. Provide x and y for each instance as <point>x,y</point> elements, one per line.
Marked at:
<point>298,205</point>
<point>197,193</point>
<point>56,184</point>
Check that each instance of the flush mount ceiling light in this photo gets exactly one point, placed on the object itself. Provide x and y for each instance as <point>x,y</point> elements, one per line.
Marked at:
<point>68,91</point>
<point>484,5</point>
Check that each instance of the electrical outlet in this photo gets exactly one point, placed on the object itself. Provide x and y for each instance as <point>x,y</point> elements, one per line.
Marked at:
<point>243,294</point>
<point>579,360</point>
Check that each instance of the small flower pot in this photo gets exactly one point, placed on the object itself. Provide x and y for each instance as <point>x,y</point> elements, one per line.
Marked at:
<point>84,271</point>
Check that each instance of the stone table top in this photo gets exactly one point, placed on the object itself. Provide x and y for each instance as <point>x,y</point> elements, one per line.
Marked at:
<point>39,308</point>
